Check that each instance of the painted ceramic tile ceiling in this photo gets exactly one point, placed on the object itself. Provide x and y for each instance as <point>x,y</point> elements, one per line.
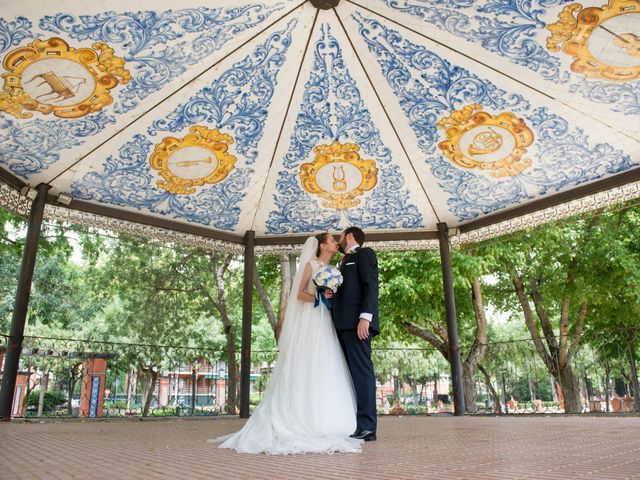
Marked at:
<point>282,118</point>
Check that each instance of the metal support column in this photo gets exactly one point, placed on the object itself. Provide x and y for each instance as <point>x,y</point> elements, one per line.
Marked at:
<point>16,335</point>
<point>247,313</point>
<point>452,322</point>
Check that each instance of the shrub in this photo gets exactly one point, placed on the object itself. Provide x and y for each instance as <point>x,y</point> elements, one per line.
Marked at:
<point>115,404</point>
<point>51,400</point>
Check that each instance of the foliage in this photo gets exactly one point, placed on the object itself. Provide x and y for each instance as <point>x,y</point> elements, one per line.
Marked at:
<point>51,401</point>
<point>105,287</point>
<point>411,291</point>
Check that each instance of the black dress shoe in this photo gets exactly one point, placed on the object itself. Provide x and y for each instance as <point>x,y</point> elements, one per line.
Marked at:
<point>366,435</point>
<point>356,433</point>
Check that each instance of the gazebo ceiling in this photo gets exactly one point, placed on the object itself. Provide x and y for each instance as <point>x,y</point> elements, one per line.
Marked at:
<point>218,118</point>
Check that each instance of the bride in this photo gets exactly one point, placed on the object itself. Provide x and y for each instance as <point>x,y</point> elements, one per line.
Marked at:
<point>309,403</point>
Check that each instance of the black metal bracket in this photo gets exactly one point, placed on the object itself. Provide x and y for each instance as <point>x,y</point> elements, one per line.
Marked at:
<point>325,4</point>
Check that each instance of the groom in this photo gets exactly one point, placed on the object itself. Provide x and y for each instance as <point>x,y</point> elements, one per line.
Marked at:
<point>355,316</point>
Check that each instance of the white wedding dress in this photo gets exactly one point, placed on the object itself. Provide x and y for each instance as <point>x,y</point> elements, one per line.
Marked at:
<point>309,404</point>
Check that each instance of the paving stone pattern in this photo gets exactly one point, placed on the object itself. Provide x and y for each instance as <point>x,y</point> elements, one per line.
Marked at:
<point>544,447</point>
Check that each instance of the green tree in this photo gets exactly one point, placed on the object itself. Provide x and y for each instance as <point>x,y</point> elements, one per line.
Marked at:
<point>274,274</point>
<point>555,275</point>
<point>150,304</point>
<point>613,329</point>
<point>411,297</point>
<point>52,298</point>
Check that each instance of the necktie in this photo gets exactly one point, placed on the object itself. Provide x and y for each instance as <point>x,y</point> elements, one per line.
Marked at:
<point>344,259</point>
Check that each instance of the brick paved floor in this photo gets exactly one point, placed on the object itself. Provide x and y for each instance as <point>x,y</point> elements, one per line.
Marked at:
<point>551,447</point>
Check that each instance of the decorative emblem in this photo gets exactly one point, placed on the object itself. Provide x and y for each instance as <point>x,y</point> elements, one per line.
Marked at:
<point>604,41</point>
<point>49,76</point>
<point>338,175</point>
<point>199,158</point>
<point>477,139</point>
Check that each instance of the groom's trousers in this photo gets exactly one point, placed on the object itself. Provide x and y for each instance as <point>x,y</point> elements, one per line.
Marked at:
<point>358,355</point>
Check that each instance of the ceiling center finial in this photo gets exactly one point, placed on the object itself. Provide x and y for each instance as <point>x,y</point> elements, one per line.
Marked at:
<point>325,4</point>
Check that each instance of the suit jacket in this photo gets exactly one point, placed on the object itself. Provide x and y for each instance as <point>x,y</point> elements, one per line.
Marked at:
<point>358,292</point>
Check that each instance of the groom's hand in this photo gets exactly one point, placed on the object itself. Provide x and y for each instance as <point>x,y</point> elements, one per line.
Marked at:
<point>363,329</point>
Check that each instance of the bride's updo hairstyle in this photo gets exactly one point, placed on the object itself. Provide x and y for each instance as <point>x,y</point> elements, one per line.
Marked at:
<point>322,238</point>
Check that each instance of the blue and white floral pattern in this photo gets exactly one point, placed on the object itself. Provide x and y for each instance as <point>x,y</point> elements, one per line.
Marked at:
<point>508,28</point>
<point>625,96</point>
<point>565,156</point>
<point>13,33</point>
<point>30,147</point>
<point>514,29</point>
<point>157,50</point>
<point>153,43</point>
<point>333,110</point>
<point>430,87</point>
<point>232,102</point>
<point>127,179</point>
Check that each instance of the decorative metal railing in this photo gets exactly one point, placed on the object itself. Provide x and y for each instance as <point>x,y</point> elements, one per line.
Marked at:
<point>91,378</point>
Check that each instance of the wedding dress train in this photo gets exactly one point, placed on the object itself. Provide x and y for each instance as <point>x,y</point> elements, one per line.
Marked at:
<point>309,403</point>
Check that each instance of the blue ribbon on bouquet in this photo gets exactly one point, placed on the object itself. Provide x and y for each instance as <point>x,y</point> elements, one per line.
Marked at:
<point>321,298</point>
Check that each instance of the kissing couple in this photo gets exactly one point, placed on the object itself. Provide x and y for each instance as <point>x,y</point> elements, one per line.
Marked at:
<point>321,397</point>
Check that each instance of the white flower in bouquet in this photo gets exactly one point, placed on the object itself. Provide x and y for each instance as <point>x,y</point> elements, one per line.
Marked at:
<point>328,277</point>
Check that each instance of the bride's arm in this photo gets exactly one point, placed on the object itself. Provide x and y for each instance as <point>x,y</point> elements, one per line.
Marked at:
<point>306,275</point>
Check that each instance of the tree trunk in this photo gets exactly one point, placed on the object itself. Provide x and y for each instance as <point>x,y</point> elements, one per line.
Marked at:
<point>176,384</point>
<point>414,389</point>
<point>220,268</point>
<point>435,390</point>
<point>557,356</point>
<point>396,388</point>
<point>635,388</point>
<point>151,387</point>
<point>532,392</point>
<point>478,349</point>
<point>607,384</point>
<point>264,299</point>
<point>287,272</point>
<point>477,352</point>
<point>554,390</point>
<point>233,379</point>
<point>25,403</point>
<point>131,388</point>
<point>469,386</point>
<point>570,390</point>
<point>73,378</point>
<point>71,385</point>
<point>494,395</point>
<point>286,277</point>
<point>44,383</point>
<point>147,377</point>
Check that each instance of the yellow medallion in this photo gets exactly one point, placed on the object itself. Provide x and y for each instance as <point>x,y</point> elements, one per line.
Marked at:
<point>197,159</point>
<point>604,41</point>
<point>477,139</point>
<point>338,175</point>
<point>48,76</point>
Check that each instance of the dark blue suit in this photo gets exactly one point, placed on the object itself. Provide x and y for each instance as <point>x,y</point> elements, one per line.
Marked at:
<point>359,294</point>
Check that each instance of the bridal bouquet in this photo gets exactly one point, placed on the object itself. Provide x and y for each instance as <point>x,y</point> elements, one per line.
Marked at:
<point>326,278</point>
